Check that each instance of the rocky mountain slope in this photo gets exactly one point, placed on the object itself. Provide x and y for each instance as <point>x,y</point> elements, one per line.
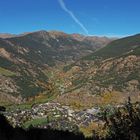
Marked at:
<point>111,73</point>
<point>25,61</point>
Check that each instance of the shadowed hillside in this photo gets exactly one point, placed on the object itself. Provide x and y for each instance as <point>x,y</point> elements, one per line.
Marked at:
<point>7,132</point>
<point>121,123</point>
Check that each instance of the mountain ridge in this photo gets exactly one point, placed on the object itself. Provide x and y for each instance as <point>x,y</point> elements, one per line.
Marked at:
<point>55,63</point>
<point>29,55</point>
<point>109,72</point>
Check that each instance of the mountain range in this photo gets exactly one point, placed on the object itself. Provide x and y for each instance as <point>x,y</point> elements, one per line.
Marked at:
<point>26,61</point>
<point>69,67</point>
<point>111,74</point>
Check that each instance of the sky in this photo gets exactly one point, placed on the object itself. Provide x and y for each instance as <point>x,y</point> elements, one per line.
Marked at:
<point>114,18</point>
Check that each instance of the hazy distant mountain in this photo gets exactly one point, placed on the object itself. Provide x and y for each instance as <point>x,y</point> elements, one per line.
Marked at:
<point>25,60</point>
<point>5,35</point>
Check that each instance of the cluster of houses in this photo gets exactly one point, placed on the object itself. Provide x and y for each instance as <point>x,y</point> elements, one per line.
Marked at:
<point>57,116</point>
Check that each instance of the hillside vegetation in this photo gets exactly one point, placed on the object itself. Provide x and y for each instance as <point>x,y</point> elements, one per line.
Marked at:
<point>114,68</point>
<point>26,60</point>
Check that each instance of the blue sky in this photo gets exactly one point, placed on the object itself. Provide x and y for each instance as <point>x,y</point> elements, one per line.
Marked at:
<point>98,17</point>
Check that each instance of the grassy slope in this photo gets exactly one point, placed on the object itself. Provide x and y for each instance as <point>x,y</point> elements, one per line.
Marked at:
<point>35,122</point>
<point>117,48</point>
<point>6,72</point>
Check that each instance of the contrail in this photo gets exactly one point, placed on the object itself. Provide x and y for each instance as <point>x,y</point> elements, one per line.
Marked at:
<point>63,6</point>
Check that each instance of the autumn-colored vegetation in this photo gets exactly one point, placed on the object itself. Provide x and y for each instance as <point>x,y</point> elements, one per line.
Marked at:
<point>122,124</point>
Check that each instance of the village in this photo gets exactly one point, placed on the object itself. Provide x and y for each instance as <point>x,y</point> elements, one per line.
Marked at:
<point>52,115</point>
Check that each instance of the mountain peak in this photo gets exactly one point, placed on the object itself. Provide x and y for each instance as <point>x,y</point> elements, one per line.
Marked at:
<point>58,33</point>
